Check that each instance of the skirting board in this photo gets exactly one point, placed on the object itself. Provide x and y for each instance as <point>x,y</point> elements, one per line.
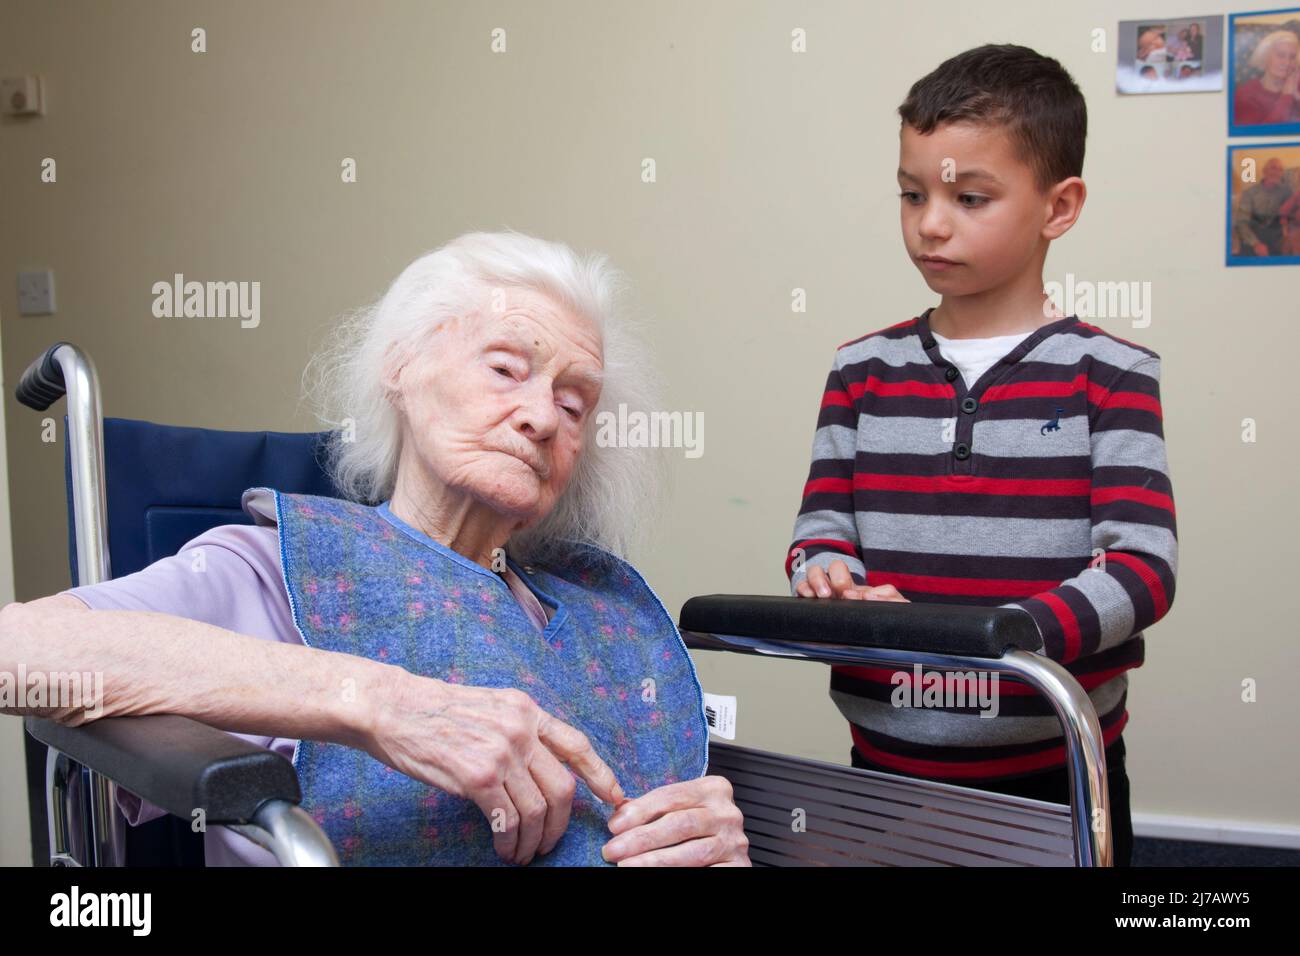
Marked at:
<point>1165,827</point>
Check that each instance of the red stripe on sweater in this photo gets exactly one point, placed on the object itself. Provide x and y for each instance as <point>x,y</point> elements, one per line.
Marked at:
<point>1016,487</point>
<point>1035,389</point>
<point>1145,496</point>
<point>828,486</point>
<point>1097,395</point>
<point>983,587</point>
<point>1067,622</point>
<point>946,769</point>
<point>915,387</point>
<point>1139,400</point>
<point>1148,576</point>
<point>833,543</point>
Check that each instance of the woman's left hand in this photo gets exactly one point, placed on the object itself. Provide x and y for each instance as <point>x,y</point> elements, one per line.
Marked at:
<point>692,823</point>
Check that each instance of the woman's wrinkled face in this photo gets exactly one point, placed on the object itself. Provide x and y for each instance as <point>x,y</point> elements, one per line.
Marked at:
<point>496,405</point>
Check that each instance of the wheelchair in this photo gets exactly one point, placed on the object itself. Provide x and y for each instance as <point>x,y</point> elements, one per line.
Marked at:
<point>137,491</point>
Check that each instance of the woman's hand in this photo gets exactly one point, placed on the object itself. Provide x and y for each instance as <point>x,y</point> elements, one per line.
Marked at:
<point>839,583</point>
<point>692,823</point>
<point>496,748</point>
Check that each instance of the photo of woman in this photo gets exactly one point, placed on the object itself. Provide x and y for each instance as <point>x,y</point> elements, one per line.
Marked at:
<point>1265,72</point>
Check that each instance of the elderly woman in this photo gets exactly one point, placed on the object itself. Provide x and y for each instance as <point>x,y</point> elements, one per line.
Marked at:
<point>464,672</point>
<point>1274,95</point>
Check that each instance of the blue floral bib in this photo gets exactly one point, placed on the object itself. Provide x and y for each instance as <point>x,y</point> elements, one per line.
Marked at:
<point>610,663</point>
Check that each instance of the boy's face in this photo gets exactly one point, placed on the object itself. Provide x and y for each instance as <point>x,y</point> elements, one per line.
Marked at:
<point>968,198</point>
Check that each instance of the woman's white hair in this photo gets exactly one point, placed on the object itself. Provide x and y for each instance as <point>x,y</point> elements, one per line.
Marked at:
<point>613,492</point>
<point>1265,48</point>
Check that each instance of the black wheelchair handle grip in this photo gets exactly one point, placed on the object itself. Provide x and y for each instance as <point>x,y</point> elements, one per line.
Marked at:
<point>953,629</point>
<point>42,384</point>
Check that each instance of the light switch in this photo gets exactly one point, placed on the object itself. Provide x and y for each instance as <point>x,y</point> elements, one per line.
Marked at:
<point>36,293</point>
<point>22,96</point>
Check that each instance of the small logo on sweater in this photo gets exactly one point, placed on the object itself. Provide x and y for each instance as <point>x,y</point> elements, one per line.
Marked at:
<point>1054,425</point>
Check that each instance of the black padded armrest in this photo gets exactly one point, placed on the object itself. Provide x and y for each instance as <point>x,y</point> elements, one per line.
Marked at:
<point>957,629</point>
<point>177,764</point>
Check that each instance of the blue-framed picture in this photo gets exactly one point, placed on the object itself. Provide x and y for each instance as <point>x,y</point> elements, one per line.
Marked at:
<point>1263,217</point>
<point>1264,73</point>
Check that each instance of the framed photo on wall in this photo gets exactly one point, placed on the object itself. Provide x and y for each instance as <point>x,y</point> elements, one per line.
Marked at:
<point>1264,73</point>
<point>1263,218</point>
<point>1170,55</point>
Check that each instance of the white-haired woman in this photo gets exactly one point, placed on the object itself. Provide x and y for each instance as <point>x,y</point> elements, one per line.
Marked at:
<point>458,614</point>
<point>1274,95</point>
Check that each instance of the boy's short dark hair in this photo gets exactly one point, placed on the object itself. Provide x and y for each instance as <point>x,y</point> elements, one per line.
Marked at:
<point>1029,94</point>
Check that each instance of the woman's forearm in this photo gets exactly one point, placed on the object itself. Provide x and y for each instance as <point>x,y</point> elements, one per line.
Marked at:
<point>152,663</point>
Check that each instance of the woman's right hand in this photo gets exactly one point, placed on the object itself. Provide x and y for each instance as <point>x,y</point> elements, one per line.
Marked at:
<point>496,748</point>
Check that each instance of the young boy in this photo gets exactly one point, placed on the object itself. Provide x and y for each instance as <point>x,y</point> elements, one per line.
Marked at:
<point>992,451</point>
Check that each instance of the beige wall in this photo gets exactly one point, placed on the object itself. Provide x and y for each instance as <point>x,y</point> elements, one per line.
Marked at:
<point>775,171</point>
<point>15,831</point>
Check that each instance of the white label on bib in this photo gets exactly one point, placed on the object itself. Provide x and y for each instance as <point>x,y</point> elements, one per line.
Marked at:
<point>720,712</point>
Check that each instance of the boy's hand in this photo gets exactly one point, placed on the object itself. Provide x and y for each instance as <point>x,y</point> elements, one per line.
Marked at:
<point>839,583</point>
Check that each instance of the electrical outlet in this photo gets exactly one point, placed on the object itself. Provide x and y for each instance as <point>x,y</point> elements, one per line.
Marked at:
<point>36,293</point>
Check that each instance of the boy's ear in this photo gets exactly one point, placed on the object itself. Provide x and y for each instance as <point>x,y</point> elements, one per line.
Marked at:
<point>1064,203</point>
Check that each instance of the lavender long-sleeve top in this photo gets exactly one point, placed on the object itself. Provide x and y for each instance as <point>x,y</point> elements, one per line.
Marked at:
<point>241,588</point>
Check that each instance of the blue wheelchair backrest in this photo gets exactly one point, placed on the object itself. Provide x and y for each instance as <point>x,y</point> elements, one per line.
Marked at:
<point>166,484</point>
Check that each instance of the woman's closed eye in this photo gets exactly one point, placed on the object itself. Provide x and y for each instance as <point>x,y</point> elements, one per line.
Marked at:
<point>574,412</point>
<point>509,368</point>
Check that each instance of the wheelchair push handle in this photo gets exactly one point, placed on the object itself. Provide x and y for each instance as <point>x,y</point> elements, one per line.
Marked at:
<point>951,629</point>
<point>42,384</point>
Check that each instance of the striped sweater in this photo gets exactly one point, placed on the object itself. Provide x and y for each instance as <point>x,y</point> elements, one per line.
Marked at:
<point>1044,487</point>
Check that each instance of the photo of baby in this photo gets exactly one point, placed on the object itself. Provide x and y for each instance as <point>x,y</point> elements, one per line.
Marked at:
<point>1170,56</point>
